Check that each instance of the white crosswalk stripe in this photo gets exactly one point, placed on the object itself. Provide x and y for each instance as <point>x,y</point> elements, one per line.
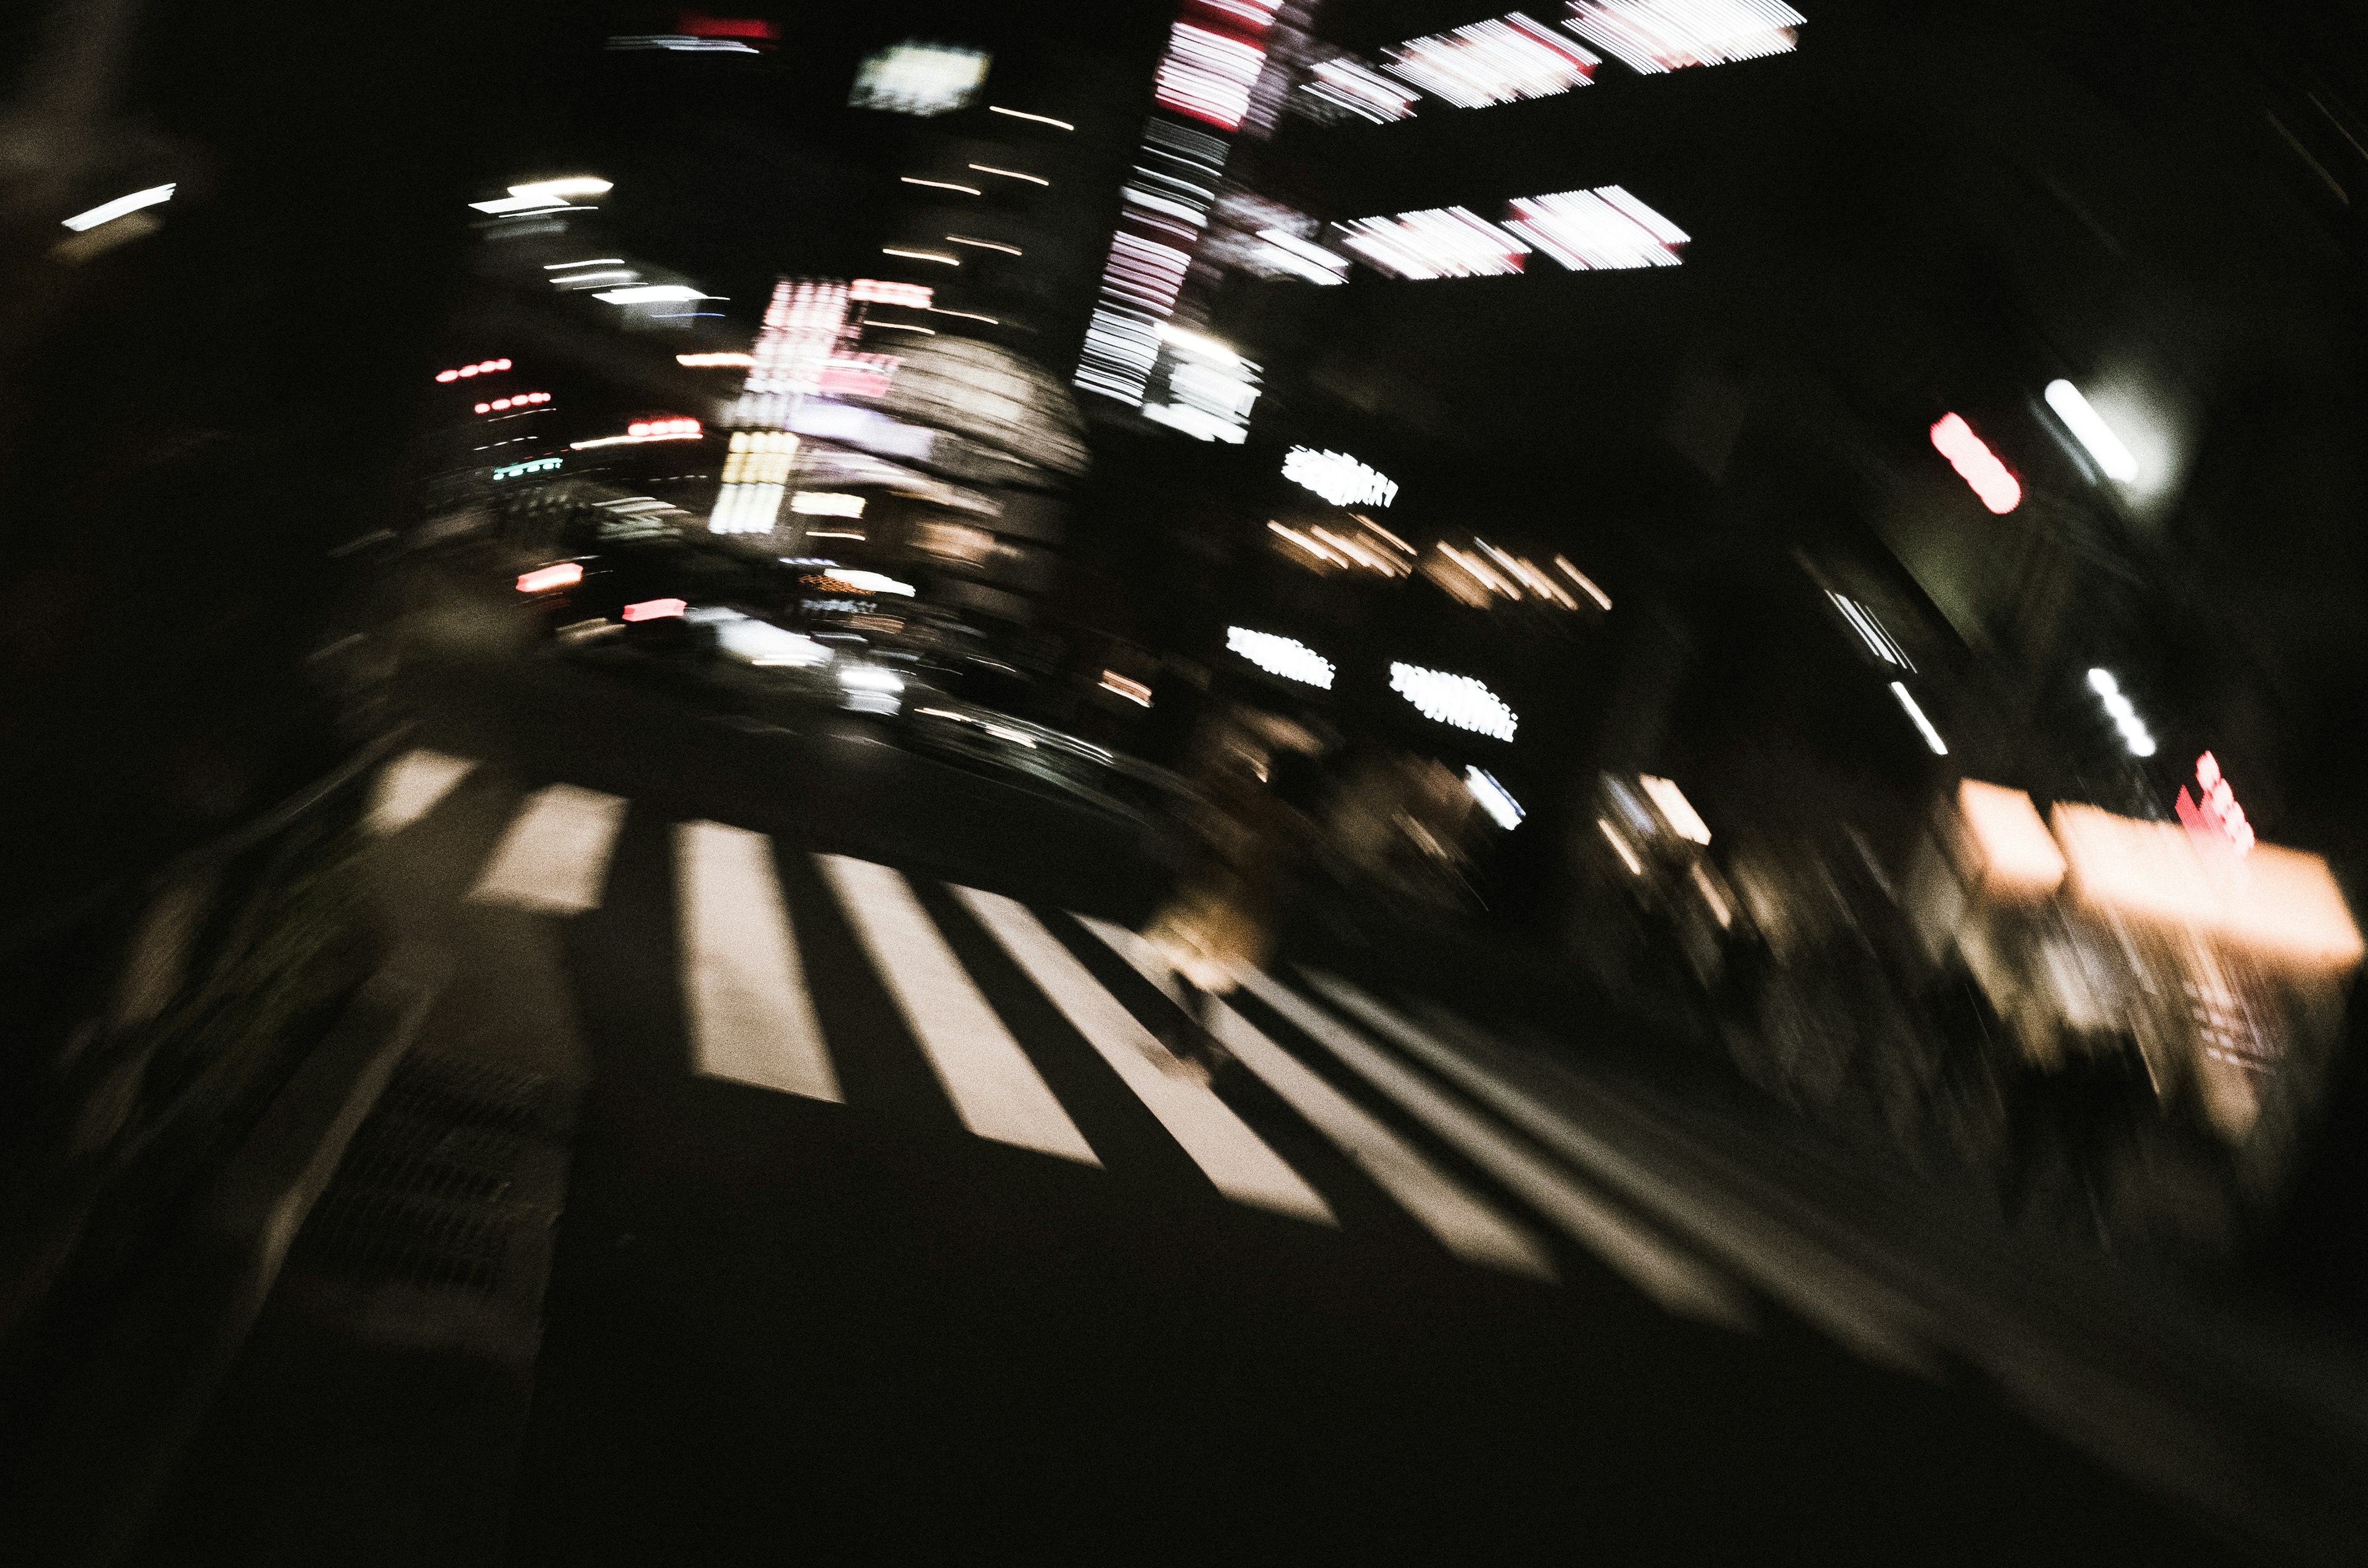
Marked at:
<point>996,1089</point>
<point>408,787</point>
<point>1653,1264</point>
<point>1463,1223</point>
<point>1236,1158</point>
<point>554,857</point>
<point>751,1018</point>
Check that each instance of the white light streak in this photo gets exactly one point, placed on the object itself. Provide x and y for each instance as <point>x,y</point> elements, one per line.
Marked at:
<point>985,245</point>
<point>879,291</point>
<point>1494,798</point>
<point>1932,736</point>
<point>1456,701</point>
<point>942,184</point>
<point>562,189</point>
<point>1284,656</point>
<point>966,315</point>
<point>1338,478</point>
<point>577,280</point>
<point>1208,75</point>
<point>1010,174</point>
<point>826,504</point>
<point>1498,61</point>
<point>1357,89</point>
<point>904,326</point>
<point>1597,230</point>
<point>2112,454</point>
<point>1444,242</point>
<point>683,43</point>
<point>1302,257</point>
<point>2136,736</point>
<point>588,261</point>
<point>1654,36</point>
<point>714,361</point>
<point>1871,631</point>
<point>1039,118</point>
<point>653,294</point>
<point>1627,856</point>
<point>632,440</point>
<point>922,255</point>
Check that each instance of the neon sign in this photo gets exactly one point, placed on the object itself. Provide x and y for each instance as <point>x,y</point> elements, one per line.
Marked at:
<point>2218,818</point>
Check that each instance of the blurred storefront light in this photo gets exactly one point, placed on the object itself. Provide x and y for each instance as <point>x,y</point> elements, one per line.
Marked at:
<point>1338,478</point>
<point>1498,61</point>
<point>2097,436</point>
<point>1459,701</point>
<point>1675,808</point>
<point>1654,36</point>
<point>1284,656</point>
<point>1493,797</point>
<point>1976,464</point>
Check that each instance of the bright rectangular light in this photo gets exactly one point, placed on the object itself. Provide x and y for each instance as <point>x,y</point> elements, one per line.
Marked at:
<point>654,610</point>
<point>1344,85</point>
<point>1595,231</point>
<point>1442,242</point>
<point>562,189</point>
<point>2084,422</point>
<point>880,291</point>
<point>1675,809</point>
<point>872,582</point>
<point>1498,61</point>
<point>825,504</point>
<point>1654,36</point>
<point>921,79</point>
<point>715,361</point>
<point>1457,700</point>
<point>1493,798</point>
<point>1207,76</point>
<point>541,580</point>
<point>1338,478</point>
<point>108,211</point>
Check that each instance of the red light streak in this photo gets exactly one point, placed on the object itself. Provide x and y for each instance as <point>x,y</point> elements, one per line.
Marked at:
<point>482,367</point>
<point>1976,464</point>
<point>541,580</point>
<point>697,26</point>
<point>663,427</point>
<point>654,610</point>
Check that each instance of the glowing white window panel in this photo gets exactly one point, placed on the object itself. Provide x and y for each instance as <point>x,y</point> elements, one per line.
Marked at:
<point>1353,88</point>
<point>1597,230</point>
<point>1498,61</point>
<point>921,79</point>
<point>1338,478</point>
<point>1494,798</point>
<point>1675,809</point>
<point>825,504</point>
<point>1442,242</point>
<point>107,211</point>
<point>2112,454</point>
<point>1458,701</point>
<point>1284,656</point>
<point>1207,76</point>
<point>1654,36</point>
<point>1932,736</point>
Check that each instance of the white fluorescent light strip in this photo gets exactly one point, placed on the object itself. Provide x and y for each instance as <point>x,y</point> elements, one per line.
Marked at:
<point>590,261</point>
<point>1493,798</point>
<point>1654,36</point>
<point>1010,174</point>
<point>2098,437</point>
<point>921,256</point>
<point>942,184</point>
<point>109,210</point>
<point>1039,118</point>
<point>1284,656</point>
<point>1932,736</point>
<point>653,294</point>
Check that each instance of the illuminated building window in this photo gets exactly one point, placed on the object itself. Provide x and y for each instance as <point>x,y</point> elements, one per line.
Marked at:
<point>1498,61</point>
<point>1600,230</point>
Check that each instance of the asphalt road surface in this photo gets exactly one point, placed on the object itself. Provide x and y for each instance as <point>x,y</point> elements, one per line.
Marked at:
<point>891,1232</point>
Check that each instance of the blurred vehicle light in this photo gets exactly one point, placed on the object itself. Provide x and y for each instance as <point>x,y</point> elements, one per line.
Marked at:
<point>1654,36</point>
<point>542,579</point>
<point>1976,464</point>
<point>108,211</point>
<point>1284,656</point>
<point>654,610</point>
<point>1456,701</point>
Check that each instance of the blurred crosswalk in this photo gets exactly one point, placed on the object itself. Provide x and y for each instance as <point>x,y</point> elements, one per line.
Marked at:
<point>990,992</point>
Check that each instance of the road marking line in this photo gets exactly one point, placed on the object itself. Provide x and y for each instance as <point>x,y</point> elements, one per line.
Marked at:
<point>1668,1276</point>
<point>1463,1223</point>
<point>996,1089</point>
<point>1220,1142</point>
<point>1793,1278</point>
<point>409,786</point>
<point>752,1019</point>
<point>555,856</point>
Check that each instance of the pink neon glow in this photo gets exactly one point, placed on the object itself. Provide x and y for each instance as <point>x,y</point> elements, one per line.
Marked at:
<point>1976,464</point>
<point>663,427</point>
<point>654,610</point>
<point>566,574</point>
<point>914,296</point>
<point>448,375</point>
<point>2218,812</point>
<point>1208,74</point>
